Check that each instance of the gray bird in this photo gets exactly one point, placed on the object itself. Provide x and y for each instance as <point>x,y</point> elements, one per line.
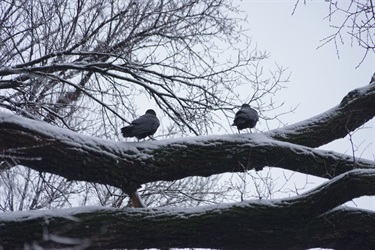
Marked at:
<point>144,126</point>
<point>246,117</point>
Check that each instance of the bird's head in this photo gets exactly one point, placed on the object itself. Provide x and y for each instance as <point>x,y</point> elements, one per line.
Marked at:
<point>151,112</point>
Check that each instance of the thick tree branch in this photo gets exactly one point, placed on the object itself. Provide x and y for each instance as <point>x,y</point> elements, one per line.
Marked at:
<point>299,223</point>
<point>127,165</point>
<point>355,109</point>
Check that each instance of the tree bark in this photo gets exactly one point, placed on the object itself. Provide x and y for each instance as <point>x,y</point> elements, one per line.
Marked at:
<point>305,221</point>
<point>355,109</point>
<point>308,220</point>
<point>127,165</point>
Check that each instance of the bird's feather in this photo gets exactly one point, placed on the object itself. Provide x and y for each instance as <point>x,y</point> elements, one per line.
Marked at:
<point>144,126</point>
<point>246,117</point>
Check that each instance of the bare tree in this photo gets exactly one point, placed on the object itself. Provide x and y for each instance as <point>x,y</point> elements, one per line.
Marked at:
<point>354,19</point>
<point>96,56</point>
<point>316,218</point>
<point>24,189</point>
<point>83,65</point>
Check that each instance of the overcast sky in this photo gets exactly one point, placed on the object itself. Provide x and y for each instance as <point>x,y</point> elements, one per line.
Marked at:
<point>319,77</point>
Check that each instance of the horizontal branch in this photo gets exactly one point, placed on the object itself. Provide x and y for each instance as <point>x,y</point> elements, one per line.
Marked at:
<point>82,66</point>
<point>260,224</point>
<point>127,165</point>
<point>355,109</point>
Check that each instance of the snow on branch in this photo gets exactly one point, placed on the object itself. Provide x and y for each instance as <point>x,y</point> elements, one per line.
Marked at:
<point>127,165</point>
<point>355,109</point>
<point>262,224</point>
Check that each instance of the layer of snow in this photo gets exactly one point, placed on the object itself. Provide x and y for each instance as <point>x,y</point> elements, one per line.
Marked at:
<point>66,213</point>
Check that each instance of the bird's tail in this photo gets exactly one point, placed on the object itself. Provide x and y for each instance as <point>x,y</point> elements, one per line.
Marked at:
<point>127,131</point>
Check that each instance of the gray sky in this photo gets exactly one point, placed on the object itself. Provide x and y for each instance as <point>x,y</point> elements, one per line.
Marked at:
<point>320,78</point>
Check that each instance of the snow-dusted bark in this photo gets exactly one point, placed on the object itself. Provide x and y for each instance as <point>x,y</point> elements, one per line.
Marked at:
<point>127,165</point>
<point>355,109</point>
<point>309,220</point>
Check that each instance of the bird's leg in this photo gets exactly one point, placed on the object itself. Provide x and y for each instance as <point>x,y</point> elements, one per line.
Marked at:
<point>152,138</point>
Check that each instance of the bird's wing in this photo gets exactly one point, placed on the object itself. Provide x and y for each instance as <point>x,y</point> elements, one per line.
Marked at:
<point>246,114</point>
<point>252,114</point>
<point>145,124</point>
<point>155,123</point>
<point>241,115</point>
<point>142,119</point>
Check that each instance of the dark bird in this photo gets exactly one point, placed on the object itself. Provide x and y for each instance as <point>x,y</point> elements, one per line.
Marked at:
<point>144,126</point>
<point>246,117</point>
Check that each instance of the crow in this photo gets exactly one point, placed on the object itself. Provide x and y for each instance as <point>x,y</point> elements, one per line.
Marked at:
<point>144,126</point>
<point>246,117</point>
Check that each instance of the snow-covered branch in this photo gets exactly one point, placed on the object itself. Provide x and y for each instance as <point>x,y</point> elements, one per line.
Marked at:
<point>355,109</point>
<point>261,224</point>
<point>127,165</point>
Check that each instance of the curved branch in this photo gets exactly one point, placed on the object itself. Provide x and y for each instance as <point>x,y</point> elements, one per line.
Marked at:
<point>262,224</point>
<point>356,108</point>
<point>127,165</point>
